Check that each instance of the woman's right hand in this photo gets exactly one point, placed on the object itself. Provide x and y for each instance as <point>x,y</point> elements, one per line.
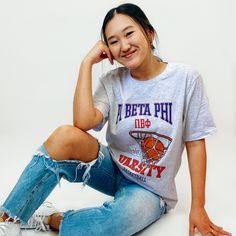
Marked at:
<point>99,52</point>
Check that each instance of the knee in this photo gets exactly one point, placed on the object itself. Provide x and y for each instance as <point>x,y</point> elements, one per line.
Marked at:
<point>64,130</point>
<point>64,136</point>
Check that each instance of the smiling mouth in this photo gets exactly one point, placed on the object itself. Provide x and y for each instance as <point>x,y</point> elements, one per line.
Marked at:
<point>130,54</point>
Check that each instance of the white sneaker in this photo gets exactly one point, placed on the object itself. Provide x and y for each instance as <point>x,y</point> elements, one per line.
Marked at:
<point>39,220</point>
<point>10,229</point>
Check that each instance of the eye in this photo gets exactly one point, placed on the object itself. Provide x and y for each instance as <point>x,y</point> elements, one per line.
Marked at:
<point>129,33</point>
<point>113,42</point>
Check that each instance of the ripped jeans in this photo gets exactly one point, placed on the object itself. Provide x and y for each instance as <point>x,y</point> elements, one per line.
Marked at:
<point>132,209</point>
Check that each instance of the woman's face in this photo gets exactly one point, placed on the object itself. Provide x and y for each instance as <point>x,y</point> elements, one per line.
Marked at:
<point>127,41</point>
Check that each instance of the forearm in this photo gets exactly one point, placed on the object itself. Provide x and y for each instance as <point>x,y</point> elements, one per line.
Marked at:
<point>83,109</point>
<point>196,152</point>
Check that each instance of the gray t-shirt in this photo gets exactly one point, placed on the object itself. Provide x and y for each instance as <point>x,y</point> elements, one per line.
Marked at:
<point>149,121</point>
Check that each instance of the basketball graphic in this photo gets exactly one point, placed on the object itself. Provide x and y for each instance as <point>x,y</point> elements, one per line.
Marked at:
<point>152,148</point>
<point>152,144</point>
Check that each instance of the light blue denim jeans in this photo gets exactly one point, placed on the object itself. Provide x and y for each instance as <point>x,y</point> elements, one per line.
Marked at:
<point>132,209</point>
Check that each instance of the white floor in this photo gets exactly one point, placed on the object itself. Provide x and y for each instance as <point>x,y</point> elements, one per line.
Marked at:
<point>220,194</point>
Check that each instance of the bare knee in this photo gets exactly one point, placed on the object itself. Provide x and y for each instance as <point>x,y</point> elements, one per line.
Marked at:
<point>61,142</point>
<point>65,132</point>
<point>70,143</point>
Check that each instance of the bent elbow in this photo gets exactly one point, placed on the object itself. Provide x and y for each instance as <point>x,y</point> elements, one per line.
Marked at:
<point>81,126</point>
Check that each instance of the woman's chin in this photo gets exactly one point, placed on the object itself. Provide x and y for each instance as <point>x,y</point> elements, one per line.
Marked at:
<point>130,65</point>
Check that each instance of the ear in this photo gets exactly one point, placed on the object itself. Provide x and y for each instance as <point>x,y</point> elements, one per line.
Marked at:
<point>151,36</point>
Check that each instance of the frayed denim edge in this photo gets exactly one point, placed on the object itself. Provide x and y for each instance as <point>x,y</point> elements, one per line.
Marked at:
<point>86,176</point>
<point>80,165</point>
<point>41,152</point>
<point>10,216</point>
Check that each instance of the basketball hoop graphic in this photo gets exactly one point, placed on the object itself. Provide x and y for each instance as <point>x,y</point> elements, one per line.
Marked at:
<point>153,145</point>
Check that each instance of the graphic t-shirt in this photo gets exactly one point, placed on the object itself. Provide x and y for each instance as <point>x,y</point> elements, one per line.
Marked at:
<point>149,121</point>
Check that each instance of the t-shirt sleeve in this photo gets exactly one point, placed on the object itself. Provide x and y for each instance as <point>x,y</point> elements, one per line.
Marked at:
<point>198,120</point>
<point>101,102</point>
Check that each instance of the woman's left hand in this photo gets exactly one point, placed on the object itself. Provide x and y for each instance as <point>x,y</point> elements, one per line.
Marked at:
<point>199,219</point>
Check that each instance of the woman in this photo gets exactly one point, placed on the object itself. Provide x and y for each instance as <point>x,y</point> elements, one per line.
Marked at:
<point>153,108</point>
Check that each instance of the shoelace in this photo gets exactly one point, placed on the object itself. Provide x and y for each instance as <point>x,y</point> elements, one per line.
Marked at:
<point>37,222</point>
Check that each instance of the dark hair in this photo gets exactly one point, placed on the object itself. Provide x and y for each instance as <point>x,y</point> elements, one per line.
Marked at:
<point>132,11</point>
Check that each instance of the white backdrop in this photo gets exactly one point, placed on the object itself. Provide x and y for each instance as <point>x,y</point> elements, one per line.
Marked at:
<point>42,44</point>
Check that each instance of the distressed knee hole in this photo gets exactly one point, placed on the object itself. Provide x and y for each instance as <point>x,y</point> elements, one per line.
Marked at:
<point>53,166</point>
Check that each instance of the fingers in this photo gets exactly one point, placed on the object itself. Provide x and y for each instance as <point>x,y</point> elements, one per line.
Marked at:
<point>99,52</point>
<point>204,225</point>
<point>105,52</point>
<point>216,232</point>
<point>215,227</point>
<point>212,230</point>
<point>191,230</point>
<point>219,230</point>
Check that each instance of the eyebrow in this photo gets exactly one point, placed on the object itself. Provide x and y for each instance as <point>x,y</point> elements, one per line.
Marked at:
<point>130,26</point>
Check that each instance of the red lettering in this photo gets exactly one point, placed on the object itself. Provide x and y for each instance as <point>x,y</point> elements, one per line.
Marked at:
<point>150,170</point>
<point>143,170</point>
<point>159,171</point>
<point>134,164</point>
<point>142,125</point>
<point>127,161</point>
<point>140,167</point>
<point>122,158</point>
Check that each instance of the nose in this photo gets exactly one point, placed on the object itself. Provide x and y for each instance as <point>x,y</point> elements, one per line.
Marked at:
<point>125,46</point>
